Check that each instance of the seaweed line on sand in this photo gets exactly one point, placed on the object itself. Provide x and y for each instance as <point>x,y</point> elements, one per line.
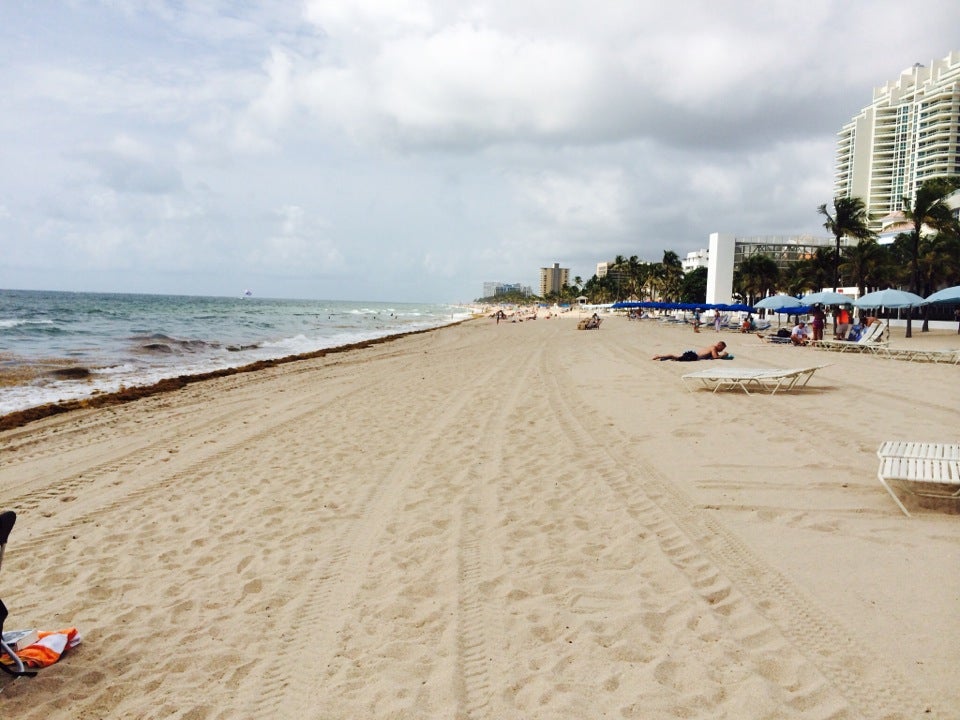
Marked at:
<point>125,395</point>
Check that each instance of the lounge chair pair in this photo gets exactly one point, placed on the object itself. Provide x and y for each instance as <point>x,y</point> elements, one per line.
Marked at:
<point>771,379</point>
<point>925,469</point>
<point>7,519</point>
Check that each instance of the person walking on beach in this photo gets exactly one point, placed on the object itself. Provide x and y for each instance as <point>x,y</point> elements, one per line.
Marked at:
<point>713,352</point>
<point>696,320</point>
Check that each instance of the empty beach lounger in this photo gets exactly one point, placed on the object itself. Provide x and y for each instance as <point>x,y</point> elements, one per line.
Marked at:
<point>16,667</point>
<point>923,450</point>
<point>924,355</point>
<point>746,379</point>
<point>919,476</point>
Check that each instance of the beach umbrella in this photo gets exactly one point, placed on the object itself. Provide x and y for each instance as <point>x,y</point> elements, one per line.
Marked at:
<point>736,307</point>
<point>795,310</point>
<point>776,302</point>
<point>947,295</point>
<point>889,298</point>
<point>827,297</point>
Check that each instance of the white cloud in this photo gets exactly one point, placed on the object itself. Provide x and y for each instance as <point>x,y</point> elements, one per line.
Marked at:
<point>299,245</point>
<point>443,141</point>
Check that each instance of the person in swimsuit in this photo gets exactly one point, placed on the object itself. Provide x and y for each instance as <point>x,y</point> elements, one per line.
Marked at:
<point>714,352</point>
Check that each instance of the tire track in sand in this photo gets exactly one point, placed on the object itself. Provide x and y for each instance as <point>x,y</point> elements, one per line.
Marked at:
<point>338,578</point>
<point>738,584</point>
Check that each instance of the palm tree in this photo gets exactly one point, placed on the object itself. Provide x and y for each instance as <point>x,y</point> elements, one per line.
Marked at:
<point>670,275</point>
<point>866,264</point>
<point>930,208</point>
<point>758,276</point>
<point>938,264</point>
<point>812,273</point>
<point>849,219</point>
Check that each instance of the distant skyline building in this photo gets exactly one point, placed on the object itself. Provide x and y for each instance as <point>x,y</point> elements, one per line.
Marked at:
<point>695,259</point>
<point>492,289</point>
<point>909,133</point>
<point>553,279</point>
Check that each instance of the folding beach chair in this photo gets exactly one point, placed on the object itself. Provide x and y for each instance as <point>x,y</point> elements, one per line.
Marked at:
<point>7,519</point>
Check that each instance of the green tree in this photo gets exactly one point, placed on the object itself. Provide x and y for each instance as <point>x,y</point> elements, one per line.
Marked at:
<point>694,286</point>
<point>758,275</point>
<point>866,264</point>
<point>929,207</point>
<point>669,275</point>
<point>849,219</point>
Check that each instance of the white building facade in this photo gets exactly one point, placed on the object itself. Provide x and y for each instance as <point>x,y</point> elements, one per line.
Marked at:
<point>909,133</point>
<point>695,259</point>
<point>726,251</point>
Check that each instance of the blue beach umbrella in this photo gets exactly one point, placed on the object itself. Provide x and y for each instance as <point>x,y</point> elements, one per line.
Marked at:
<point>889,298</point>
<point>795,310</point>
<point>947,295</point>
<point>776,302</point>
<point>827,297</point>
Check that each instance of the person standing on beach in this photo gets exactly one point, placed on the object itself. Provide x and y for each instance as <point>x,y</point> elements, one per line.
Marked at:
<point>819,320</point>
<point>696,320</point>
<point>842,323</point>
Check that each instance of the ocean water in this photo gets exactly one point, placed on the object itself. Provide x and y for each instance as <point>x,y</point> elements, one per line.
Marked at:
<point>132,340</point>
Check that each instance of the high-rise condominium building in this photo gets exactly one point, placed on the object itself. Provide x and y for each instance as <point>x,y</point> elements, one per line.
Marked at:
<point>907,134</point>
<point>553,279</point>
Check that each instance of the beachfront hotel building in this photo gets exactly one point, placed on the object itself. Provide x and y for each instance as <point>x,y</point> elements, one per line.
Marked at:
<point>492,289</point>
<point>727,251</point>
<point>909,133</point>
<point>553,279</point>
<point>695,259</point>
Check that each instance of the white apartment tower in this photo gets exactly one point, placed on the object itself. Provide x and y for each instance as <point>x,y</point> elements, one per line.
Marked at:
<point>910,132</point>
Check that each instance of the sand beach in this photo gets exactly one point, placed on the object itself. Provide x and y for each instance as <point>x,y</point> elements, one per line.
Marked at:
<point>492,521</point>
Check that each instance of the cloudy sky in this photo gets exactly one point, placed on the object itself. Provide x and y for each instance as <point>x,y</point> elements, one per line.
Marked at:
<point>413,149</point>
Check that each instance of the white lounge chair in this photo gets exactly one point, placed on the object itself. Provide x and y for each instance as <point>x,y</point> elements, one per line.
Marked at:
<point>925,469</point>
<point>772,379</point>
<point>872,340</point>
<point>920,476</point>
<point>923,355</point>
<point>922,450</point>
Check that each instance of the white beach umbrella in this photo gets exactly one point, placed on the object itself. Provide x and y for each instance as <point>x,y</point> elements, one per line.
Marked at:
<point>889,298</point>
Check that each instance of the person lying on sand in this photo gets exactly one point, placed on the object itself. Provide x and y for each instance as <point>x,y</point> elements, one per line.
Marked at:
<point>714,352</point>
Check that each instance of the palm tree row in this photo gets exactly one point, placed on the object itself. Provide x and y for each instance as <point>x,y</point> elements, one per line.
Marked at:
<point>922,261</point>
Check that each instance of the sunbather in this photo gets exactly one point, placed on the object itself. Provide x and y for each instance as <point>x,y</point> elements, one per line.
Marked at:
<point>714,352</point>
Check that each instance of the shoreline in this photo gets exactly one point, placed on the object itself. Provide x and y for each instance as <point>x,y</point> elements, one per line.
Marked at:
<point>514,520</point>
<point>19,418</point>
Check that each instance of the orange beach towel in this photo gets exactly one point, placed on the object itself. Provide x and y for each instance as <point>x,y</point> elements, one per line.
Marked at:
<point>48,649</point>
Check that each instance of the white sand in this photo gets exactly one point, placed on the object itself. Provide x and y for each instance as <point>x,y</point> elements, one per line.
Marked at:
<point>513,521</point>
